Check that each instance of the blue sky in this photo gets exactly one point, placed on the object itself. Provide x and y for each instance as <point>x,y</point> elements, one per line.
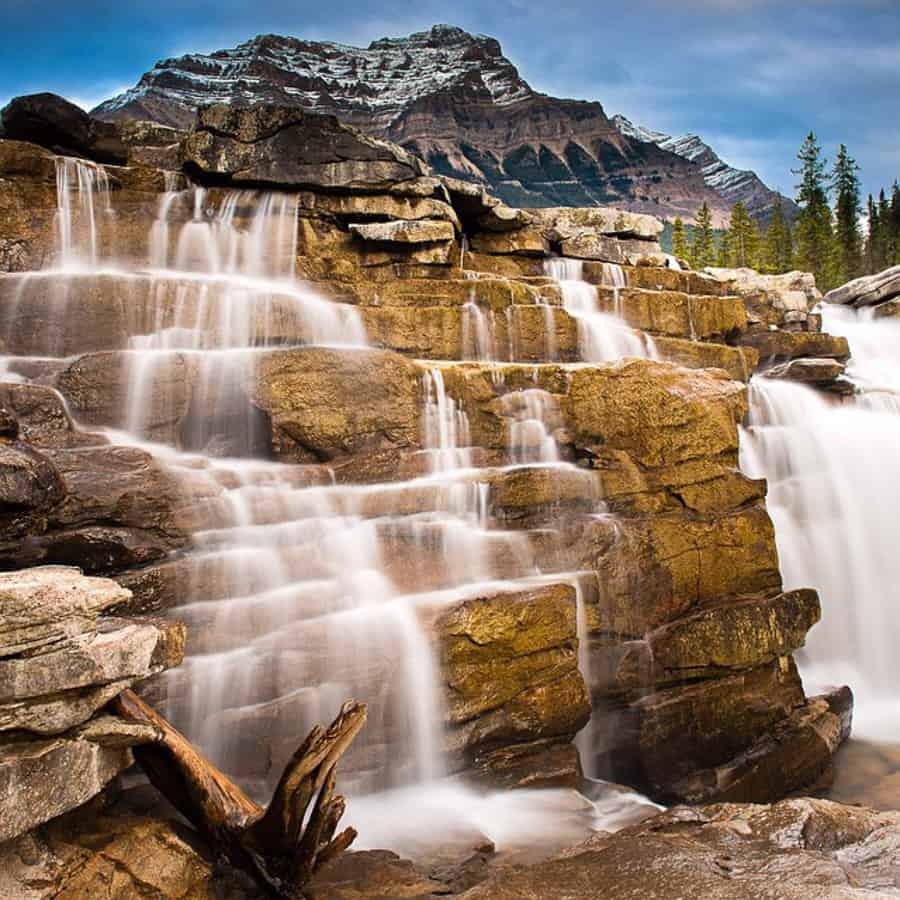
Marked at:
<point>751,76</point>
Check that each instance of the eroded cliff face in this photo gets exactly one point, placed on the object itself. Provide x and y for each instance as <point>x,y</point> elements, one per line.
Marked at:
<point>526,484</point>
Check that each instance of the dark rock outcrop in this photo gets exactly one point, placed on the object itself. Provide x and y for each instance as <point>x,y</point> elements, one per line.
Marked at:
<point>53,122</point>
<point>286,146</point>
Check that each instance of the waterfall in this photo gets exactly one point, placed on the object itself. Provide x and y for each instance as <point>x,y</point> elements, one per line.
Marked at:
<point>478,333</point>
<point>77,224</point>
<point>834,488</point>
<point>535,414</point>
<point>299,590</point>
<point>602,337</point>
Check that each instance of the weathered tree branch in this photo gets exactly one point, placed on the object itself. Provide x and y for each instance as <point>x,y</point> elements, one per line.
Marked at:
<point>278,846</point>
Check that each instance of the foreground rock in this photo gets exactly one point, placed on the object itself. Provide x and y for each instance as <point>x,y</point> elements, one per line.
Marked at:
<point>61,661</point>
<point>794,850</point>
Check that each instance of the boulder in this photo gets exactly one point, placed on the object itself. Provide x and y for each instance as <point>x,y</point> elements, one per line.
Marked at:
<point>870,290</point>
<point>53,122</point>
<point>279,145</point>
<point>823,373</point>
<point>419,231</point>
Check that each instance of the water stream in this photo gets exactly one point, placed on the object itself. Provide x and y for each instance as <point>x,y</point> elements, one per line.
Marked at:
<point>300,592</point>
<point>834,490</point>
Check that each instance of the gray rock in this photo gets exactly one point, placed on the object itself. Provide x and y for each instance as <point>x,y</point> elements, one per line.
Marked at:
<point>870,290</point>
<point>43,779</point>
<point>421,231</point>
<point>50,604</point>
<point>50,692</point>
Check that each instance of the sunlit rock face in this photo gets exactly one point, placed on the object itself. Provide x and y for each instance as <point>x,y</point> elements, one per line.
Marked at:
<point>373,435</point>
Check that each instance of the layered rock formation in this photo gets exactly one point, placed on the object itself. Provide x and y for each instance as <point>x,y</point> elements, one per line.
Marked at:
<point>640,560</point>
<point>785,328</point>
<point>454,100</point>
<point>62,657</point>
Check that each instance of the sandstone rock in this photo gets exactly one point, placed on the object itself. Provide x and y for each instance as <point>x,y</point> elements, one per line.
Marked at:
<point>870,290</point>
<point>663,737</point>
<point>53,122</point>
<point>420,231</point>
<point>729,636</point>
<point>528,241</point>
<point>282,145</point>
<point>591,245</point>
<point>30,486</point>
<point>510,664</point>
<point>564,222</point>
<point>658,414</point>
<point>795,755</point>
<point>306,394</point>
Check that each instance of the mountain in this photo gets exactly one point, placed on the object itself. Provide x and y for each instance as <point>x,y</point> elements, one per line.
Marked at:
<point>449,96</point>
<point>731,184</point>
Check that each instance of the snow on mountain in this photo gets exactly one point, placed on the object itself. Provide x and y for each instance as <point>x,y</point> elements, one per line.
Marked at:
<point>731,184</point>
<point>451,97</point>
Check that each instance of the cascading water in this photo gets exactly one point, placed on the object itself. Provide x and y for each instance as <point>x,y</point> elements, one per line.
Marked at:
<point>602,337</point>
<point>834,488</point>
<point>300,592</point>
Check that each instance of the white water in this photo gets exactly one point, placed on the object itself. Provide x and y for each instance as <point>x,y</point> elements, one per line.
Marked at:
<point>834,491</point>
<point>300,592</point>
<point>602,337</point>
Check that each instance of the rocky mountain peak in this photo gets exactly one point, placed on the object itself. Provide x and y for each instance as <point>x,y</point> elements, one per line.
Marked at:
<point>454,99</point>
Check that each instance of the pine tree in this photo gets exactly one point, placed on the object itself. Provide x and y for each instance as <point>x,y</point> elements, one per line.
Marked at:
<point>724,255</point>
<point>848,243</point>
<point>778,251</point>
<point>703,243</point>
<point>885,248</point>
<point>814,231</point>
<point>895,225</point>
<point>873,239</point>
<point>739,235</point>
<point>680,247</point>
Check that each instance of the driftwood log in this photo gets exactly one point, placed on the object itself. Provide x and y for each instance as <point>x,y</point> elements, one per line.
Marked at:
<point>279,846</point>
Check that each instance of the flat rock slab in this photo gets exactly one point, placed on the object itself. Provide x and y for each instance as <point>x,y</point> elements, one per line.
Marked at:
<point>47,605</point>
<point>418,231</point>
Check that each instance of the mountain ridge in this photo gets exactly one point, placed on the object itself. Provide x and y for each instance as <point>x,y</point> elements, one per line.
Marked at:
<point>454,99</point>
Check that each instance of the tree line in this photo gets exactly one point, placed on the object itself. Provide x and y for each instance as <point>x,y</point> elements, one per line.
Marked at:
<point>827,238</point>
